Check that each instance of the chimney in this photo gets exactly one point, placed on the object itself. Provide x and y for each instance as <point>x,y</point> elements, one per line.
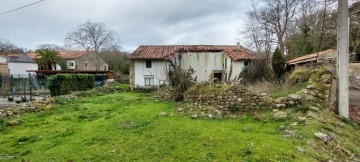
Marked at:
<point>237,46</point>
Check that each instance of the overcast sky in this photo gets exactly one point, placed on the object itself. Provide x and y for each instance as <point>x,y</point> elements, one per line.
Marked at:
<point>137,22</point>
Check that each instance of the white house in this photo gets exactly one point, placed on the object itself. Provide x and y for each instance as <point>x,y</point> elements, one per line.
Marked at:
<point>18,65</point>
<point>152,64</point>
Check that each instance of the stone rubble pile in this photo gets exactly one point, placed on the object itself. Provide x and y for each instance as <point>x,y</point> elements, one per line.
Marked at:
<point>32,106</point>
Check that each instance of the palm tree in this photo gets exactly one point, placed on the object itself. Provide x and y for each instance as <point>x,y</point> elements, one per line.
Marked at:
<point>48,58</point>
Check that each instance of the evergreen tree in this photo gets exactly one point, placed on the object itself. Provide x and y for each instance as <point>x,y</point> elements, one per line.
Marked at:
<point>304,45</point>
<point>278,64</point>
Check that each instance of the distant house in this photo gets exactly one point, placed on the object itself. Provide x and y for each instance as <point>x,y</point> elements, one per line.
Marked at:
<point>3,59</point>
<point>80,60</point>
<point>327,56</point>
<point>152,64</point>
<point>18,64</point>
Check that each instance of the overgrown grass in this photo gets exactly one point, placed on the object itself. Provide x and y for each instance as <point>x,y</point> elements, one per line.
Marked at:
<point>285,90</point>
<point>124,86</point>
<point>127,127</point>
<point>275,90</point>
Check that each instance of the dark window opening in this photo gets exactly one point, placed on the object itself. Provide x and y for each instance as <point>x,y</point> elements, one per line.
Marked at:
<point>148,64</point>
<point>225,63</point>
<point>246,63</point>
<point>217,77</point>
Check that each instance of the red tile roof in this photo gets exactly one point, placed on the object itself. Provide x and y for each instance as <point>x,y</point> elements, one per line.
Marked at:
<point>63,54</point>
<point>166,52</point>
<point>312,56</point>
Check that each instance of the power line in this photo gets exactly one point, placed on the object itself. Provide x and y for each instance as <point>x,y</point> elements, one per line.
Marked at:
<point>16,9</point>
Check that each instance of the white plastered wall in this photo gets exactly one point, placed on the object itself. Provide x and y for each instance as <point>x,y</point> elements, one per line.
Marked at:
<point>238,67</point>
<point>19,68</point>
<point>202,64</point>
<point>159,70</point>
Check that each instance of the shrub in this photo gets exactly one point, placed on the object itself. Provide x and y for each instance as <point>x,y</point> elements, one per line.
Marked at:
<point>298,76</point>
<point>181,81</point>
<point>62,84</point>
<point>258,71</point>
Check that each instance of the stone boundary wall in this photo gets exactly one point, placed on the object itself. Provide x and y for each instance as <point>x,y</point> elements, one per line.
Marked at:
<point>233,99</point>
<point>238,99</point>
<point>354,75</point>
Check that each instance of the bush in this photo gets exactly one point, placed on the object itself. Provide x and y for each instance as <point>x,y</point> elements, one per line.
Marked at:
<point>62,84</point>
<point>298,76</point>
<point>106,89</point>
<point>258,71</point>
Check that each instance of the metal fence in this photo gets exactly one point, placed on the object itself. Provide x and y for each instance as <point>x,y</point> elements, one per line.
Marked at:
<point>18,84</point>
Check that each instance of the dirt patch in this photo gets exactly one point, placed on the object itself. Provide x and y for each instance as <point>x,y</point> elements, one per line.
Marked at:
<point>354,111</point>
<point>354,95</point>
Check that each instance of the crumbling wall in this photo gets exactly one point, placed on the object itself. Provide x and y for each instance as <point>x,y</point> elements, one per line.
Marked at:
<point>223,100</point>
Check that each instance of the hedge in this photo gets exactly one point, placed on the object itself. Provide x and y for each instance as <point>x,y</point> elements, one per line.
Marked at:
<point>61,84</point>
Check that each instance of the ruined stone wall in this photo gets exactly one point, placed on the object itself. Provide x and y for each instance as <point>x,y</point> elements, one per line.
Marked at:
<point>230,100</point>
<point>237,99</point>
<point>354,75</point>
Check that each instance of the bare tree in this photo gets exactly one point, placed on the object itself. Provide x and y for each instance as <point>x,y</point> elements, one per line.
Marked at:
<point>92,36</point>
<point>7,47</point>
<point>355,31</point>
<point>268,24</point>
<point>281,23</point>
<point>278,14</point>
<point>51,46</point>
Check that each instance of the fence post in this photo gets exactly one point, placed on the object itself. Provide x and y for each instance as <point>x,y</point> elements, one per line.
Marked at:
<point>19,83</point>
<point>30,86</point>
<point>45,82</point>
<point>1,81</point>
<point>24,89</point>
<point>11,84</point>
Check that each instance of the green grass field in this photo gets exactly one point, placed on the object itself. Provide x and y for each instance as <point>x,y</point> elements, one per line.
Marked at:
<point>127,127</point>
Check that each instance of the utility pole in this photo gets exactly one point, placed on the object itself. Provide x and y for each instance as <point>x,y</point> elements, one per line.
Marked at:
<point>343,58</point>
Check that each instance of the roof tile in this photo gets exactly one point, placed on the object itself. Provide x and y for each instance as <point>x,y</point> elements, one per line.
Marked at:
<point>311,56</point>
<point>166,51</point>
<point>63,54</point>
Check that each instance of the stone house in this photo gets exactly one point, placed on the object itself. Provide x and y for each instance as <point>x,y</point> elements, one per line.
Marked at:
<point>80,60</point>
<point>152,64</point>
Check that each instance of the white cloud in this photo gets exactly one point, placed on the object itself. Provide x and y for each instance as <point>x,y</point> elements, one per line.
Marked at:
<point>136,21</point>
